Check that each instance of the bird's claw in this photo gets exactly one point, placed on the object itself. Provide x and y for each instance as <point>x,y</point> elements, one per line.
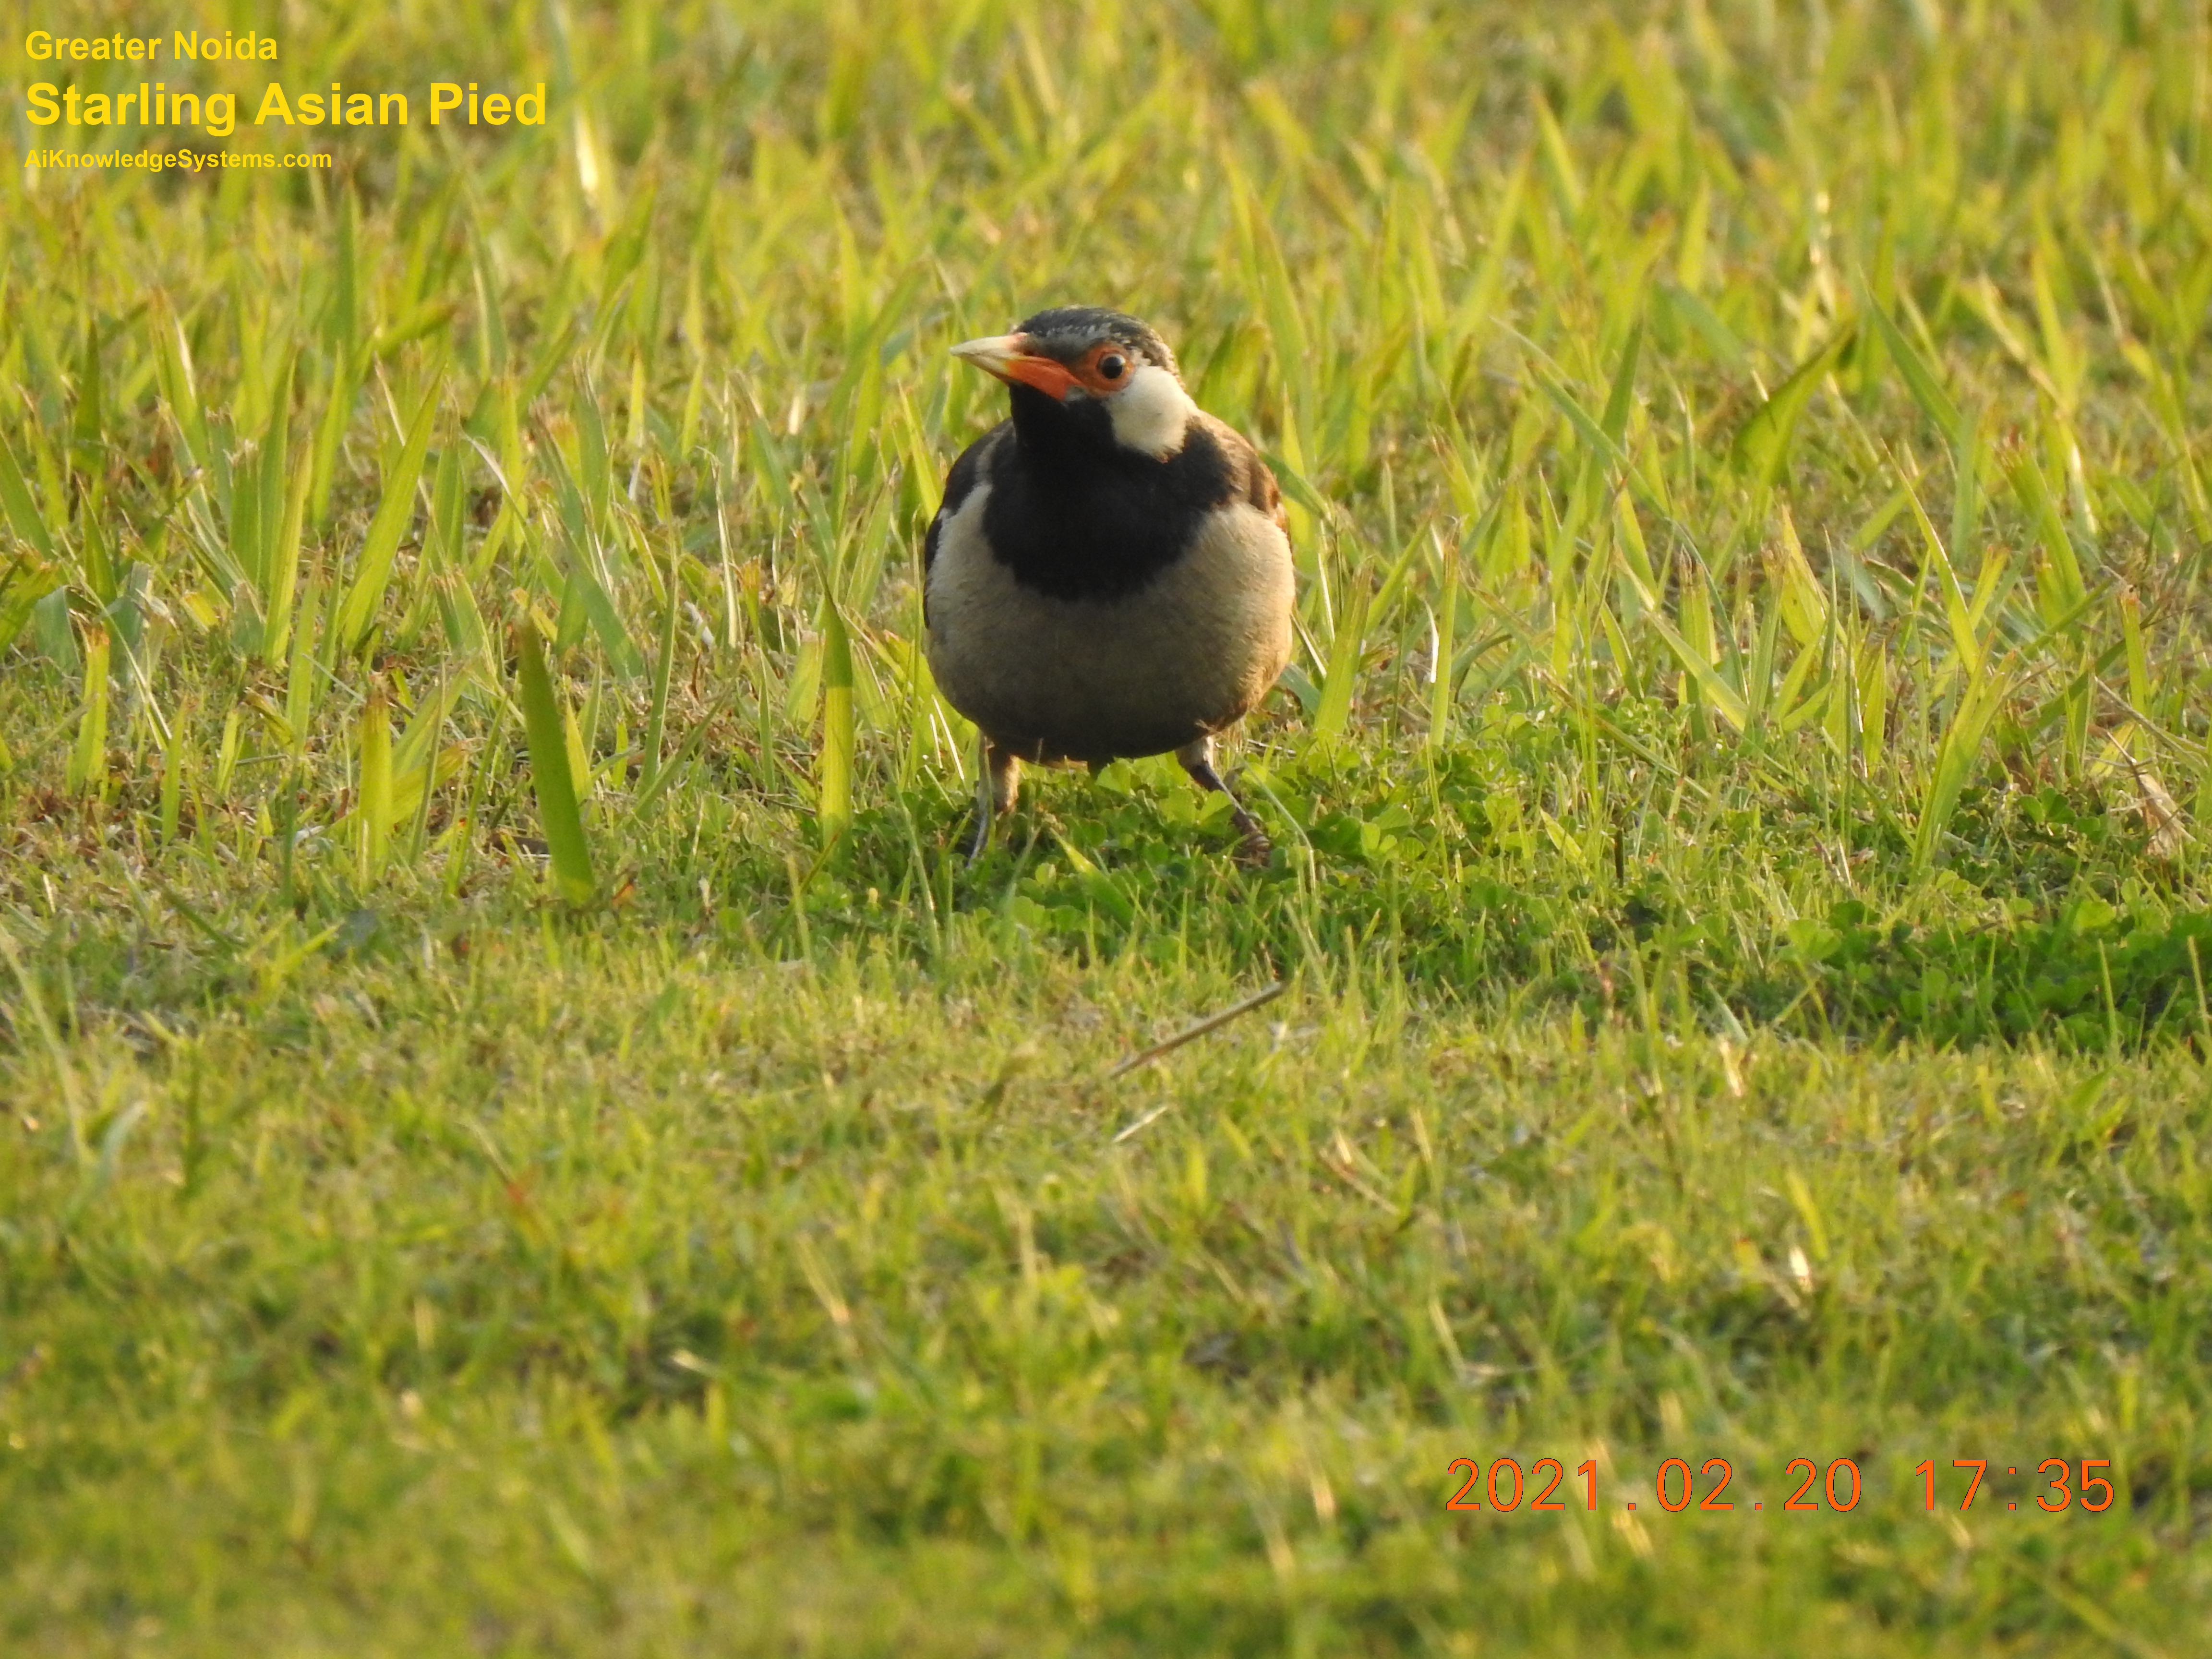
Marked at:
<point>1253,849</point>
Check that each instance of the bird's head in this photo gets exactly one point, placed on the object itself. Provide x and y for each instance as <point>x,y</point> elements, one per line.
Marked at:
<point>1080,374</point>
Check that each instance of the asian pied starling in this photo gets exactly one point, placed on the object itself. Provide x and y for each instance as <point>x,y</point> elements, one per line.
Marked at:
<point>1109,575</point>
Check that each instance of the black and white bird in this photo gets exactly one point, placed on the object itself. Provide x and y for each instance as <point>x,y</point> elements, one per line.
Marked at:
<point>1109,575</point>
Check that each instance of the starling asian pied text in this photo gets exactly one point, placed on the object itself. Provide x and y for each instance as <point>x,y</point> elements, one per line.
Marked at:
<point>155,102</point>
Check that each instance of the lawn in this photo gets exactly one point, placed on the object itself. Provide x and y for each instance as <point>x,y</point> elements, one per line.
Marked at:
<point>523,1134</point>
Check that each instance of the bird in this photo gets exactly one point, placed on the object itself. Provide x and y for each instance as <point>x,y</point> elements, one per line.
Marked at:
<point>1110,575</point>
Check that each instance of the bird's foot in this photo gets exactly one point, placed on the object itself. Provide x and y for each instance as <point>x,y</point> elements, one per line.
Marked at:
<point>1254,850</point>
<point>997,781</point>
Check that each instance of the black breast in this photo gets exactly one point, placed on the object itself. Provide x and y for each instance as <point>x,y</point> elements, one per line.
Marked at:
<point>1090,520</point>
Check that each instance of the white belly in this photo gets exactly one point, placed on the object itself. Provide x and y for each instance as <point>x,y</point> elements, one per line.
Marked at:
<point>1091,679</point>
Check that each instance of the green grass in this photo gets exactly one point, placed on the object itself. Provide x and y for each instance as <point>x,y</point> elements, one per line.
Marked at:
<point>522,1134</point>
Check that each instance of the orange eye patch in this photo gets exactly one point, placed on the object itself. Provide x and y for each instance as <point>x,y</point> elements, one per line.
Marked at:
<point>1105,369</point>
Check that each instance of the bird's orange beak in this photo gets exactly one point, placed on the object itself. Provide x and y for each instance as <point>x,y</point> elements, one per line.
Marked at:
<point>1009,357</point>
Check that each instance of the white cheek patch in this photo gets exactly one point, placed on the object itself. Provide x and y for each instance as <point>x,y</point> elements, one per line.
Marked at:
<point>1151,413</point>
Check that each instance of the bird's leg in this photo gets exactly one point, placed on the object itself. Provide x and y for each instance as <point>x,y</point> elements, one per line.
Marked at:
<point>998,780</point>
<point>1197,759</point>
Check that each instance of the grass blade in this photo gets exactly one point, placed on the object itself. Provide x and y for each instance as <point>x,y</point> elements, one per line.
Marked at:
<point>25,582</point>
<point>835,804</point>
<point>1442,676</point>
<point>174,367</point>
<point>1762,445</point>
<point>1964,640</point>
<point>393,514</point>
<point>1920,379</point>
<point>173,774</point>
<point>656,728</point>
<point>299,684</point>
<point>281,576</point>
<point>87,765</point>
<point>1954,765</point>
<point>375,813</point>
<point>567,851</point>
<point>2060,588</point>
<point>22,512</point>
<point>338,413</point>
<point>1622,396</point>
<point>1345,652</point>
<point>1723,696</point>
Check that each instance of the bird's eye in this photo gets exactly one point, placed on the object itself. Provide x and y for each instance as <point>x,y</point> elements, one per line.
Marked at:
<point>1111,365</point>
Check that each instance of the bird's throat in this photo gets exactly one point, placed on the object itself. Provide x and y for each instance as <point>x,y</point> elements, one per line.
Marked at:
<point>1092,520</point>
<point>1053,432</point>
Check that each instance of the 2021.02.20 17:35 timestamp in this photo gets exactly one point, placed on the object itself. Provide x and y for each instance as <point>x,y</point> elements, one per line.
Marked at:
<point>1841,1486</point>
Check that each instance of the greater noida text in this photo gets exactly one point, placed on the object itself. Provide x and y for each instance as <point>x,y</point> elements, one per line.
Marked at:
<point>156,104</point>
<point>176,160</point>
<point>39,46</point>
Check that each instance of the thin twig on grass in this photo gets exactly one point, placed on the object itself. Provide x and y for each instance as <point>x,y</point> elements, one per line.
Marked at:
<point>1211,1023</point>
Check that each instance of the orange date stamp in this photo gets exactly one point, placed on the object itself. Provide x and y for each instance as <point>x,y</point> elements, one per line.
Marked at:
<point>1503,1487</point>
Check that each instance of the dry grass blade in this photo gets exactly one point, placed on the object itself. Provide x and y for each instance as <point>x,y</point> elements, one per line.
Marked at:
<point>1192,1033</point>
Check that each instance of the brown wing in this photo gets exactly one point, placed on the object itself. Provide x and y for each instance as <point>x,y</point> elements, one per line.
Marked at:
<point>1249,475</point>
<point>1266,496</point>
